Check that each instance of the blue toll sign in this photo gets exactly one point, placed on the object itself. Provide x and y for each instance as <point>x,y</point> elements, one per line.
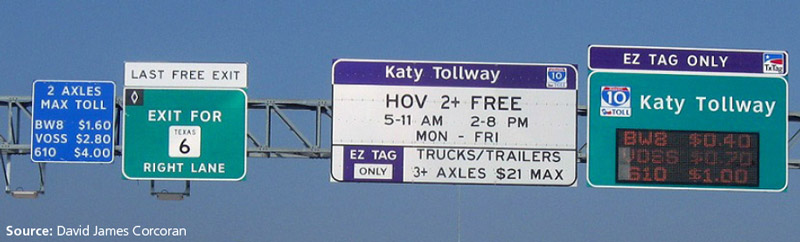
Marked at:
<point>73,121</point>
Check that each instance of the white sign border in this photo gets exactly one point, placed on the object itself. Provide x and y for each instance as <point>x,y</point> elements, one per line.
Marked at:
<point>122,139</point>
<point>577,95</point>
<point>588,145</point>
<point>113,122</point>
<point>589,60</point>
<point>184,84</point>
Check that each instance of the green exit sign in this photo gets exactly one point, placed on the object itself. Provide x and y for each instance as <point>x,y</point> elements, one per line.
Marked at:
<point>685,131</point>
<point>184,134</point>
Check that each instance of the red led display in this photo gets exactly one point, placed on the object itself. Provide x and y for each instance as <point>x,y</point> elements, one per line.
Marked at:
<point>687,157</point>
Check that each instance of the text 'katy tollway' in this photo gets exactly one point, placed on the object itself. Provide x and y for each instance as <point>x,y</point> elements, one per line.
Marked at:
<point>443,73</point>
<point>721,104</point>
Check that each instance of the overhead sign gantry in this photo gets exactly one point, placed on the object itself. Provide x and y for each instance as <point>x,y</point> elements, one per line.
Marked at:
<point>454,122</point>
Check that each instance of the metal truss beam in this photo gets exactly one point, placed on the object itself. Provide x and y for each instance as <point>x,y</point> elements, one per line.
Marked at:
<point>12,144</point>
<point>17,107</point>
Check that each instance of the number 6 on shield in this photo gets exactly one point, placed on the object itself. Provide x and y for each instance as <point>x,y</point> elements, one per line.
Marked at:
<point>184,141</point>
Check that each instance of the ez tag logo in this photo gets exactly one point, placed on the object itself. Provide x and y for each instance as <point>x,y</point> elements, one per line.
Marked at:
<point>556,77</point>
<point>774,63</point>
<point>615,101</point>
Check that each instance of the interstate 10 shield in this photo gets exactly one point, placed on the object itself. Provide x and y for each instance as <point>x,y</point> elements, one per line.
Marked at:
<point>687,131</point>
<point>454,122</point>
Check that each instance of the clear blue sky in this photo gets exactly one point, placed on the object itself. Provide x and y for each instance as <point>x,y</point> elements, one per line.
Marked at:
<point>289,46</point>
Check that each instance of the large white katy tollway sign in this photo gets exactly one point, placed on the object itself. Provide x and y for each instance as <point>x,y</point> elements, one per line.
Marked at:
<point>446,122</point>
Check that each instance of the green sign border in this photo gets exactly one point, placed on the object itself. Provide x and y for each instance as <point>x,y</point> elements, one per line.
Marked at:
<point>244,148</point>
<point>601,134</point>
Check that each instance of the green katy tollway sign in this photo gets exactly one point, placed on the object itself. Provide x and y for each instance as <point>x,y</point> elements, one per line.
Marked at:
<point>676,125</point>
<point>185,121</point>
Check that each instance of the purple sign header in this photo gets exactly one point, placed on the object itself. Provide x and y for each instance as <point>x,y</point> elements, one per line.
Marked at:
<point>682,59</point>
<point>453,74</point>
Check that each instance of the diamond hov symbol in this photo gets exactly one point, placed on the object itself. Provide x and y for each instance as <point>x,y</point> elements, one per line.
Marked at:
<point>184,134</point>
<point>134,97</point>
